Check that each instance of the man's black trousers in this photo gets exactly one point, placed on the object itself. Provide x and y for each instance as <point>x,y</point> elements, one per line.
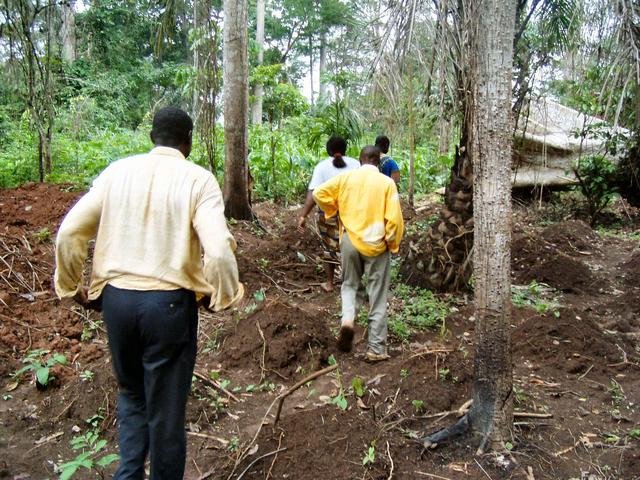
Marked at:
<point>152,338</point>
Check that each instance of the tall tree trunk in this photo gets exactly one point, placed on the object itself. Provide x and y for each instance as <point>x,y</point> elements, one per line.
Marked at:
<point>258,90</point>
<point>412,139</point>
<point>490,149</point>
<point>68,31</point>
<point>236,107</point>
<point>492,30</point>
<point>322,89</point>
<point>311,66</point>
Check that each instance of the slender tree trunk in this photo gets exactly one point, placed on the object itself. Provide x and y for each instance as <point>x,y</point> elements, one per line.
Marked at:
<point>311,66</point>
<point>68,31</point>
<point>490,150</point>
<point>258,90</point>
<point>412,140</point>
<point>236,107</point>
<point>322,89</point>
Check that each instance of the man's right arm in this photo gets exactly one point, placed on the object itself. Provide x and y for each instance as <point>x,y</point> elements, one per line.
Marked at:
<point>220,266</point>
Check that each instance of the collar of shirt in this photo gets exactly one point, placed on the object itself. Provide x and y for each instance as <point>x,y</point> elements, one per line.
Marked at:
<point>168,151</point>
<point>368,165</point>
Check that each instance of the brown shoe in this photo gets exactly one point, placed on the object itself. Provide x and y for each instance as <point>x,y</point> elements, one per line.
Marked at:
<point>345,338</point>
<point>373,357</point>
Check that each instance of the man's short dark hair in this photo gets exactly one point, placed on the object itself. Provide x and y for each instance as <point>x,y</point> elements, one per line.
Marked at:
<point>171,127</point>
<point>383,142</point>
<point>370,154</point>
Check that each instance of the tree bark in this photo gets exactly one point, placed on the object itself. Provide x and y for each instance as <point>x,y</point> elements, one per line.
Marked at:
<point>490,150</point>
<point>322,89</point>
<point>258,90</point>
<point>490,121</point>
<point>236,108</point>
<point>68,31</point>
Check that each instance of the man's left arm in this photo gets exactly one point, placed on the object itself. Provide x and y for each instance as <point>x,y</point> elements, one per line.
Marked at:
<point>220,266</point>
<point>72,243</point>
<point>393,222</point>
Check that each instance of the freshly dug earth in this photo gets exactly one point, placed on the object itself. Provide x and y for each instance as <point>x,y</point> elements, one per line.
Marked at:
<point>278,337</point>
<point>577,363</point>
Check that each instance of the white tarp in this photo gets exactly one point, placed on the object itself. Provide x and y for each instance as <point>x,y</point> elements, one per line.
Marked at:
<point>549,144</point>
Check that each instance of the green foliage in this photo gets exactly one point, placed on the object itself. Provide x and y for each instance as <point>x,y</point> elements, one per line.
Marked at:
<point>35,362</point>
<point>418,405</point>
<point>418,309</point>
<point>90,456</point>
<point>538,296</point>
<point>358,386</point>
<point>597,177</point>
<point>370,455</point>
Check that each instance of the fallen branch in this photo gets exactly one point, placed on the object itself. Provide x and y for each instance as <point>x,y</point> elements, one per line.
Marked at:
<point>209,437</point>
<point>390,460</point>
<point>431,475</point>
<point>428,352</point>
<point>275,452</point>
<point>264,352</point>
<point>313,376</point>
<point>532,415</point>
<point>215,385</point>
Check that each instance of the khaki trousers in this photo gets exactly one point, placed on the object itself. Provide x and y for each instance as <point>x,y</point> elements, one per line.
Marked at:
<point>378,271</point>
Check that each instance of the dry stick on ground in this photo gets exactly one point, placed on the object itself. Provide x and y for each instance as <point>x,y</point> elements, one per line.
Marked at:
<point>215,385</point>
<point>280,399</point>
<point>432,475</point>
<point>427,352</point>
<point>275,452</point>
<point>298,385</point>
<point>391,460</point>
<point>264,352</point>
<point>275,457</point>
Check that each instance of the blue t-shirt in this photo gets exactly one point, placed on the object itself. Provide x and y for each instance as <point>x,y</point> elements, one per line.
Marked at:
<point>388,165</point>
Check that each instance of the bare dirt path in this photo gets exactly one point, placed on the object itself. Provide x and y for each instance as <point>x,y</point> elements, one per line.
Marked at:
<point>575,354</point>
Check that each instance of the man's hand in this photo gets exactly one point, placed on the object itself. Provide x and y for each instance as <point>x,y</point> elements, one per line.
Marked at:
<point>301,223</point>
<point>82,297</point>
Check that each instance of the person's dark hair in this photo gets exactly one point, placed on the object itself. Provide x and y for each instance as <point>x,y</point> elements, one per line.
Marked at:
<point>336,148</point>
<point>171,127</point>
<point>382,142</point>
<point>370,154</point>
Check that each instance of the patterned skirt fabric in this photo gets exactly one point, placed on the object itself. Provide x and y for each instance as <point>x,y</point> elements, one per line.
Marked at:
<point>329,230</point>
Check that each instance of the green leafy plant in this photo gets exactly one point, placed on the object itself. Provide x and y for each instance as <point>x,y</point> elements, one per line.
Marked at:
<point>370,455</point>
<point>539,296</point>
<point>43,235</point>
<point>358,386</point>
<point>90,457</point>
<point>35,362</point>
<point>418,405</point>
<point>417,309</point>
<point>596,176</point>
<point>339,400</point>
<point>86,375</point>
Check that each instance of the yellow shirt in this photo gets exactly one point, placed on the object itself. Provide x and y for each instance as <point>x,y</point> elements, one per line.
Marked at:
<point>151,215</point>
<point>369,208</point>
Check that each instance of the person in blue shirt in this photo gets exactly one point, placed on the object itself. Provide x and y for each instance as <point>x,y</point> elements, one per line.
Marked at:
<point>388,165</point>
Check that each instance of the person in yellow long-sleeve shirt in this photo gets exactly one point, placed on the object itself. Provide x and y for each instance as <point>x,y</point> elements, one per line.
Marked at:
<point>372,224</point>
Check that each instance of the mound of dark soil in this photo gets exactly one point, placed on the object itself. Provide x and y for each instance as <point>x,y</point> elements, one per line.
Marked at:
<point>572,237</point>
<point>292,338</point>
<point>570,343</point>
<point>557,270</point>
<point>35,205</point>
<point>631,269</point>
<point>556,257</point>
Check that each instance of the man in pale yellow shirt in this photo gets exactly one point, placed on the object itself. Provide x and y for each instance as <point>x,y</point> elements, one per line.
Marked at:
<point>370,213</point>
<point>161,240</point>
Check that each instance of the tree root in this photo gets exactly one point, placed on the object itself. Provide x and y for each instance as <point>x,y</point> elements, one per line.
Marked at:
<point>461,426</point>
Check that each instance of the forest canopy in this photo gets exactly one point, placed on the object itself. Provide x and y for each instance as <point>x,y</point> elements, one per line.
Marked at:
<point>80,80</point>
